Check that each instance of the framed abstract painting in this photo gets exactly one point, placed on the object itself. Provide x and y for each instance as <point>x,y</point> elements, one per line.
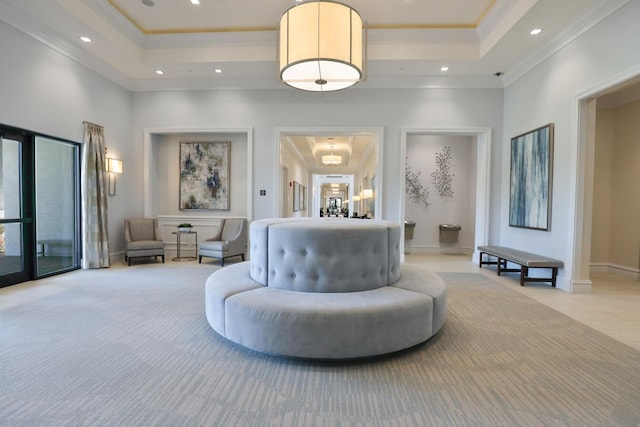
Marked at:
<point>296,196</point>
<point>531,175</point>
<point>204,175</point>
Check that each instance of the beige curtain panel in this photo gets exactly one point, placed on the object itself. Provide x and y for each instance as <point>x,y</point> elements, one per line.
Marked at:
<point>95,235</point>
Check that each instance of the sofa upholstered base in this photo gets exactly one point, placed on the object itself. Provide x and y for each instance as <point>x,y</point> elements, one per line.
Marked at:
<point>323,325</point>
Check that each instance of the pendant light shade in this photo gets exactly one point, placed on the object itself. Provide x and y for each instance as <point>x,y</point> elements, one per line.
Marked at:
<point>320,46</point>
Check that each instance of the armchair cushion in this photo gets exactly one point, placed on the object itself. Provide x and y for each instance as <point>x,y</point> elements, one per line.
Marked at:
<point>145,244</point>
<point>215,246</point>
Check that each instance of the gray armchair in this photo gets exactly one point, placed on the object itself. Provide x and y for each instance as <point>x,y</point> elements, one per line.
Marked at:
<point>142,239</point>
<point>231,242</point>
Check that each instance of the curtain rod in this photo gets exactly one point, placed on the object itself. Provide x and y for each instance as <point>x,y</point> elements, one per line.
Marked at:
<point>93,124</point>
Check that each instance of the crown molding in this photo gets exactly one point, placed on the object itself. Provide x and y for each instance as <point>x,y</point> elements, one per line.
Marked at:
<point>589,20</point>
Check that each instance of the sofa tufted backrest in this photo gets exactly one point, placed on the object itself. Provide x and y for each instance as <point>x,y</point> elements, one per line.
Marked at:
<point>329,255</point>
<point>259,238</point>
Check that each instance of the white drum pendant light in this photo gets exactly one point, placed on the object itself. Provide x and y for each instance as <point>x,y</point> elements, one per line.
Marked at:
<point>320,47</point>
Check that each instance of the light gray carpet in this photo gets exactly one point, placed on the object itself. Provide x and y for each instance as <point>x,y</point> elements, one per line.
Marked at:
<point>131,347</point>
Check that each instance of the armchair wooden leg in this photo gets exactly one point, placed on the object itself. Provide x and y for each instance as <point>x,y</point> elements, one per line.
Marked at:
<point>129,260</point>
<point>163,259</point>
<point>242,255</point>
<point>200,259</point>
<point>222,262</point>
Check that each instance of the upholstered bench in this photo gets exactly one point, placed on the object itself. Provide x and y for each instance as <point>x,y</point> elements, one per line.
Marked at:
<point>325,290</point>
<point>525,260</point>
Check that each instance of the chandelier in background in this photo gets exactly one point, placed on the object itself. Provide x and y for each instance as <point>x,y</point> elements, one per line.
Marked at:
<point>331,160</point>
<point>321,46</point>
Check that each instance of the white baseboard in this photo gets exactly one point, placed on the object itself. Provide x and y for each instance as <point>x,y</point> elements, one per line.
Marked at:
<point>608,268</point>
<point>443,249</point>
<point>581,287</point>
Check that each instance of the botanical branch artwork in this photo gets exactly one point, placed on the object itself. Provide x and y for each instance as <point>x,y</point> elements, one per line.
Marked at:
<point>204,175</point>
<point>442,177</point>
<point>417,193</point>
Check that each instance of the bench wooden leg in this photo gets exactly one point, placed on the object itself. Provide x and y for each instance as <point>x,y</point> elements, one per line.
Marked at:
<point>524,272</point>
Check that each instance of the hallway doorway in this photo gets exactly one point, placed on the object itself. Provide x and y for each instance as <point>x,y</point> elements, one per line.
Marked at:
<point>307,153</point>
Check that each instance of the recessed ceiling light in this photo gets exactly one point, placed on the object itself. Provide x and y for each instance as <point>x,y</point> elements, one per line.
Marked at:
<point>85,39</point>
<point>195,2</point>
<point>535,31</point>
<point>217,70</point>
<point>159,72</point>
<point>445,68</point>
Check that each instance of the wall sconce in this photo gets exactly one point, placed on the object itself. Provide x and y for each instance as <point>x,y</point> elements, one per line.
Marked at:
<point>112,167</point>
<point>368,193</point>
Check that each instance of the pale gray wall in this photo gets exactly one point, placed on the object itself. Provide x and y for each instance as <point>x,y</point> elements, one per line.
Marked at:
<point>266,110</point>
<point>45,91</point>
<point>548,94</point>
<point>460,209</point>
<point>48,92</point>
<point>166,184</point>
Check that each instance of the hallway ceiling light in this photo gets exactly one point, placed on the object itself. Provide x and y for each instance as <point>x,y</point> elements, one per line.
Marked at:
<point>331,160</point>
<point>335,185</point>
<point>321,46</point>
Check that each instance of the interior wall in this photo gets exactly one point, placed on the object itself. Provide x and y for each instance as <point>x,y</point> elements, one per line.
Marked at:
<point>602,187</point>
<point>549,94</point>
<point>459,209</point>
<point>265,111</point>
<point>365,179</point>
<point>166,185</point>
<point>299,173</point>
<point>47,92</point>
<point>616,238</point>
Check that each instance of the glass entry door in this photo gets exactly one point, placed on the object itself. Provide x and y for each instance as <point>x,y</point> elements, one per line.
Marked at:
<point>39,206</point>
<point>57,206</point>
<point>15,211</point>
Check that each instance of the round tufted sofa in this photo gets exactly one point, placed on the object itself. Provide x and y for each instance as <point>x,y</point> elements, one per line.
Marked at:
<point>325,289</point>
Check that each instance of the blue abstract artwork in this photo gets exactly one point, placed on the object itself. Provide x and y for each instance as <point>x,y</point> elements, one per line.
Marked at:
<point>531,167</point>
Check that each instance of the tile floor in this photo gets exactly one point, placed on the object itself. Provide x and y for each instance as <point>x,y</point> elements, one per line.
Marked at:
<point>613,307</point>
